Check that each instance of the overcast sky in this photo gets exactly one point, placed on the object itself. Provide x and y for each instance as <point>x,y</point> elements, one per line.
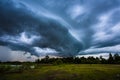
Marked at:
<point>58,28</point>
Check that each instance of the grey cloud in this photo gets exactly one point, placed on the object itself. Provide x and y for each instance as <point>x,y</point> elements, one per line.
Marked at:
<point>7,54</point>
<point>16,18</point>
<point>4,54</point>
<point>110,49</point>
<point>108,30</point>
<point>68,27</point>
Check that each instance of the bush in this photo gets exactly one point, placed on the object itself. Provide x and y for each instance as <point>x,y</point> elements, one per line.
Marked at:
<point>10,69</point>
<point>58,62</point>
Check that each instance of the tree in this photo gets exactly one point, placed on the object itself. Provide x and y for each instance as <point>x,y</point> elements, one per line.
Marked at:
<point>83,60</point>
<point>58,62</point>
<point>77,60</point>
<point>110,59</point>
<point>37,61</point>
<point>102,60</point>
<point>97,60</point>
<point>47,57</point>
<point>116,58</point>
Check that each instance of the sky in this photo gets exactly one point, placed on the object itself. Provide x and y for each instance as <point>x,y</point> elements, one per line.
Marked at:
<point>64,28</point>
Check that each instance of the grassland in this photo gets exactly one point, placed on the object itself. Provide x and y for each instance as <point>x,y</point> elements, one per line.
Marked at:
<point>64,72</point>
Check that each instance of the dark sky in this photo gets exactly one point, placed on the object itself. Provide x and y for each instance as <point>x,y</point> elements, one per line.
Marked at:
<point>60,27</point>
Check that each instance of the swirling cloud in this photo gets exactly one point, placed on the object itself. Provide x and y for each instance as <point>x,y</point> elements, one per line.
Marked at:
<point>28,30</point>
<point>61,28</point>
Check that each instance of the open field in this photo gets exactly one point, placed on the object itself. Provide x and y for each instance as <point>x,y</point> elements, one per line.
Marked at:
<point>64,72</point>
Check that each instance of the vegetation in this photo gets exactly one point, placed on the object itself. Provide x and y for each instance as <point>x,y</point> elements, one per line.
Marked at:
<point>90,60</point>
<point>68,68</point>
<point>66,72</point>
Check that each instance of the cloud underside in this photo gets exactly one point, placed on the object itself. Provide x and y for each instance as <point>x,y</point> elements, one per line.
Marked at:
<point>25,29</point>
<point>61,28</point>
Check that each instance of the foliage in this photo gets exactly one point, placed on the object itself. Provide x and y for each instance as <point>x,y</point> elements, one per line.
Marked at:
<point>82,60</point>
<point>58,62</point>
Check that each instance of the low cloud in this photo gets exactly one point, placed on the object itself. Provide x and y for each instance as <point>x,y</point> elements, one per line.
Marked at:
<point>112,49</point>
<point>6,54</point>
<point>104,55</point>
<point>45,51</point>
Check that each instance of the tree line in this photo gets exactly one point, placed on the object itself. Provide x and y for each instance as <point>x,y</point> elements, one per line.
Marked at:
<point>113,59</point>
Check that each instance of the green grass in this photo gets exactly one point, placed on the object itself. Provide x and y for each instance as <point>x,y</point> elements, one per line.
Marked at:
<point>67,72</point>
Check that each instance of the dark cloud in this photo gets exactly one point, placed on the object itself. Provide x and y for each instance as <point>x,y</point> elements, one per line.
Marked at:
<point>62,28</point>
<point>23,29</point>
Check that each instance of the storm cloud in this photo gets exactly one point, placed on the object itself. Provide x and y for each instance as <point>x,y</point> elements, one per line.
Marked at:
<point>60,28</point>
<point>27,30</point>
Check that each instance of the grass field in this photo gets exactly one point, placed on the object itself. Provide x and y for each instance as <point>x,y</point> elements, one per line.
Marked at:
<point>66,72</point>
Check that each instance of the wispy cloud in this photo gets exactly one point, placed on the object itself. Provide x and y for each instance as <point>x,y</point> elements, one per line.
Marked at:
<point>75,11</point>
<point>111,49</point>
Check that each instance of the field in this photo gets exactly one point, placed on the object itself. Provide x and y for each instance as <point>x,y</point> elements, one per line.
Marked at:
<point>62,72</point>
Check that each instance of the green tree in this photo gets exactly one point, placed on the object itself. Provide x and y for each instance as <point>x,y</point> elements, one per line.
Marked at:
<point>58,62</point>
<point>102,60</point>
<point>110,59</point>
<point>116,58</point>
<point>37,60</point>
<point>47,59</point>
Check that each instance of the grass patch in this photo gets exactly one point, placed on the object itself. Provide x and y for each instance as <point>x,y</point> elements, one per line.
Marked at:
<point>66,72</point>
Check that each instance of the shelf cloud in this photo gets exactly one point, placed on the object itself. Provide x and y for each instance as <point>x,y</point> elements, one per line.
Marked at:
<point>61,28</point>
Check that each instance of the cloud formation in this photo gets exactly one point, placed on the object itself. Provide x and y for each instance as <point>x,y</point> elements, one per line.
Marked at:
<point>26,29</point>
<point>61,28</point>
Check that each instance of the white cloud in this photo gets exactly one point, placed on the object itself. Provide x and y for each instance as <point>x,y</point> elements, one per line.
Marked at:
<point>22,38</point>
<point>21,56</point>
<point>116,28</point>
<point>75,11</point>
<point>105,29</point>
<point>45,51</point>
<point>104,55</point>
<point>112,49</point>
<point>101,37</point>
<point>77,34</point>
<point>97,52</point>
<point>27,40</point>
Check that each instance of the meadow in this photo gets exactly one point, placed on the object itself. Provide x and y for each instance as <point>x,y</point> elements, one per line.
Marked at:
<point>60,72</point>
